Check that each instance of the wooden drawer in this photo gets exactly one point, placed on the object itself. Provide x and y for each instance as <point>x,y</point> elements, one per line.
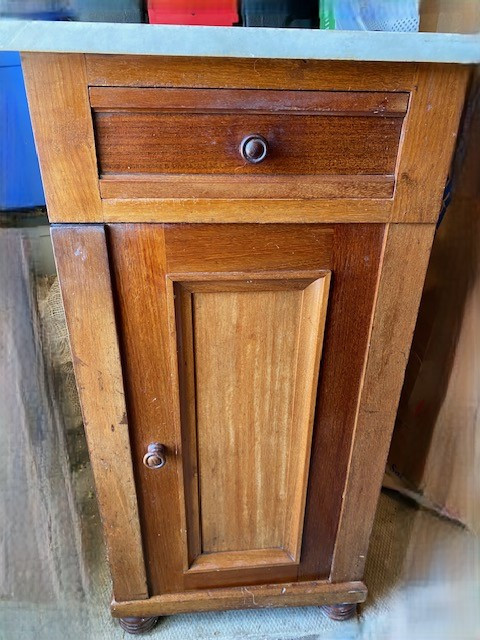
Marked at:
<point>152,139</point>
<point>166,143</point>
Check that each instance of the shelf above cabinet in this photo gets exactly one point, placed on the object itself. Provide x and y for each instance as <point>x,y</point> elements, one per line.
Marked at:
<point>234,42</point>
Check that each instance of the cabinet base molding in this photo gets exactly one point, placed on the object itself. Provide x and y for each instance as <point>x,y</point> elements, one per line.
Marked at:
<point>135,625</point>
<point>341,612</point>
<point>296,594</point>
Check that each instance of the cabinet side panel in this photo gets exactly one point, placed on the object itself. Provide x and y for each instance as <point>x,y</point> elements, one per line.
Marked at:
<point>59,107</point>
<point>83,270</point>
<point>405,262</point>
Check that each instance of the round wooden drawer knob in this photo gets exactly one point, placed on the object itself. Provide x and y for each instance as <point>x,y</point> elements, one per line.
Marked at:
<point>155,458</point>
<point>254,149</point>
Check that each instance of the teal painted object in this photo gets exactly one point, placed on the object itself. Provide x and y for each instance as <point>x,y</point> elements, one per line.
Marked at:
<point>327,14</point>
<point>20,181</point>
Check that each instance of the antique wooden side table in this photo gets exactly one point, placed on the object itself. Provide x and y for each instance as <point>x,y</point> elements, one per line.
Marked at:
<point>241,246</point>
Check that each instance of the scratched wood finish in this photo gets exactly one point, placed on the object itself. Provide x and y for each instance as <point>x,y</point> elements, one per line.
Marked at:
<point>404,266</point>
<point>255,597</point>
<point>149,348</point>
<point>248,247</point>
<point>83,270</point>
<point>252,421</point>
<point>146,271</point>
<point>251,248</point>
<point>226,560</point>
<point>226,571</point>
<point>59,107</point>
<point>372,103</point>
<point>162,71</point>
<point>428,145</point>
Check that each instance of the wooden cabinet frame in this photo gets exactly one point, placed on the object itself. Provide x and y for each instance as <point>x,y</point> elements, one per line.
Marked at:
<point>129,261</point>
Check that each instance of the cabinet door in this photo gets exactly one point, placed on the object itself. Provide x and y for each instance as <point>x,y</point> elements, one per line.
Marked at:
<point>223,331</point>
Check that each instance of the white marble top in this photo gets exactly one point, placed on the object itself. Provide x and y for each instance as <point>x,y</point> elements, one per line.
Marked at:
<point>237,42</point>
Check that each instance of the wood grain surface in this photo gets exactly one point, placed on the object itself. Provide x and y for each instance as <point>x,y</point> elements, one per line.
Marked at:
<point>59,107</point>
<point>158,143</point>
<point>262,210</point>
<point>405,260</point>
<point>212,255</point>
<point>167,186</point>
<point>227,560</point>
<point>204,248</point>
<point>162,71</point>
<point>426,139</point>
<point>240,100</point>
<point>138,271</point>
<point>356,263</point>
<point>405,546</point>
<point>274,595</point>
<point>429,141</point>
<point>83,270</point>
<point>245,346</point>
<point>225,514</point>
<point>251,422</point>
<point>147,254</point>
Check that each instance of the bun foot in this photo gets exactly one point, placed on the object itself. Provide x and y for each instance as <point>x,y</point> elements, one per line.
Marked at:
<point>340,611</point>
<point>138,625</point>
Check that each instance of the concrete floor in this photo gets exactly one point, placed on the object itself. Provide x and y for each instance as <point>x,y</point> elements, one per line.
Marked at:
<point>422,571</point>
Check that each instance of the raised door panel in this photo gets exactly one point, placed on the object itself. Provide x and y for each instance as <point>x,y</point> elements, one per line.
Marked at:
<point>222,331</point>
<point>248,351</point>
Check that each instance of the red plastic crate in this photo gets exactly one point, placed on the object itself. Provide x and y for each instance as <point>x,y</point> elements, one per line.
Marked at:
<point>206,12</point>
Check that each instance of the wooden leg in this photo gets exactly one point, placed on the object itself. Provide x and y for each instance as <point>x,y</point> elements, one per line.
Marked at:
<point>138,625</point>
<point>340,611</point>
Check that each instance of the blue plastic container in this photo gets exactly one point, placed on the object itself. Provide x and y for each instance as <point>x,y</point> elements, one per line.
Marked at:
<point>20,181</point>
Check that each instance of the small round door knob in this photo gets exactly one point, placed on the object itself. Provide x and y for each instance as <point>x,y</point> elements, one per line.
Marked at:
<point>155,458</point>
<point>254,149</point>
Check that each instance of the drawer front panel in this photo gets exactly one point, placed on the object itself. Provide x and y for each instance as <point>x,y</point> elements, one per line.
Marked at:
<point>165,142</point>
<point>204,143</point>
